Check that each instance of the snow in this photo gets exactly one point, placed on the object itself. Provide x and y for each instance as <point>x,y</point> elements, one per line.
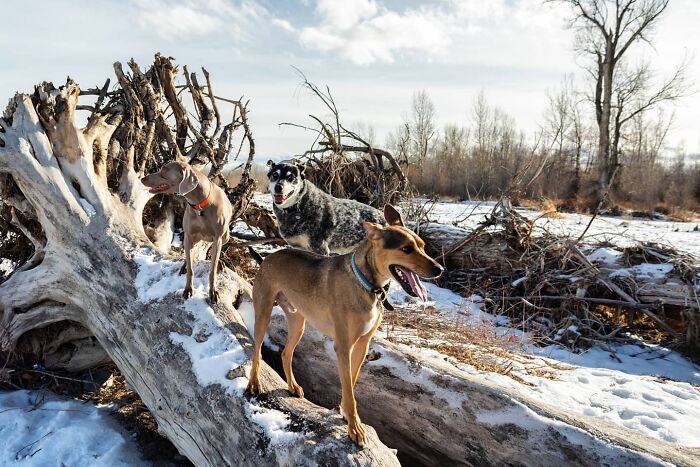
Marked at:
<point>649,389</point>
<point>416,374</point>
<point>608,256</point>
<point>215,352</point>
<point>89,208</point>
<point>519,415</point>
<point>41,428</point>
<point>6,266</point>
<point>645,271</point>
<point>618,231</point>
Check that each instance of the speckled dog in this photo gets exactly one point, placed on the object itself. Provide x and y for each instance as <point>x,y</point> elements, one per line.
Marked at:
<point>313,220</point>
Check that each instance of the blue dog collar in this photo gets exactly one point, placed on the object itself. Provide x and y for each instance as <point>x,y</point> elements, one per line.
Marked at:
<point>380,292</point>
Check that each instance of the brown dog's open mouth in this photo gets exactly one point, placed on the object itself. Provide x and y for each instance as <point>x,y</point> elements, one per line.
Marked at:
<point>409,281</point>
<point>159,188</point>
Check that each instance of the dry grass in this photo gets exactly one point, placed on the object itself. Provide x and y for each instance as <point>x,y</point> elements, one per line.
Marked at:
<point>477,344</point>
<point>682,215</point>
<point>549,209</point>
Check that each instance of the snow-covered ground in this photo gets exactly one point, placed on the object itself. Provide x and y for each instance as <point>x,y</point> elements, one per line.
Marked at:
<point>646,388</point>
<point>39,428</point>
<point>620,231</point>
<point>649,389</point>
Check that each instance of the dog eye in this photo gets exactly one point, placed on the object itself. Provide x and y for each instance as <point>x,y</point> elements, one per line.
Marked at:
<point>407,249</point>
<point>290,178</point>
<point>274,177</point>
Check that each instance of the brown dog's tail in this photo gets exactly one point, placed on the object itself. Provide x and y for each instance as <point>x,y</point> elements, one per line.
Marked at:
<point>256,256</point>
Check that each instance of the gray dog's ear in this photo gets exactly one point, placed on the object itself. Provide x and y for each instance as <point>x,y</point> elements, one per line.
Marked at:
<point>392,216</point>
<point>189,180</point>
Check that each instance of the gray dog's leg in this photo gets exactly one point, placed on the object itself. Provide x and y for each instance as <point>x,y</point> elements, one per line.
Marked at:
<point>215,254</point>
<point>188,266</point>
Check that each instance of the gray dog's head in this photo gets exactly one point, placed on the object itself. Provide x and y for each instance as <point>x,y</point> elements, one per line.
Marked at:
<point>286,182</point>
<point>173,178</point>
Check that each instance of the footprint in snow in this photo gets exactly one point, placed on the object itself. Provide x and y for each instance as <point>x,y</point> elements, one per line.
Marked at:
<point>622,393</point>
<point>685,395</point>
<point>651,398</point>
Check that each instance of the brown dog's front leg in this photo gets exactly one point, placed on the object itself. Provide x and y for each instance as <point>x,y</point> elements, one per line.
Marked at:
<point>188,267</point>
<point>263,303</point>
<point>215,255</point>
<point>348,404</point>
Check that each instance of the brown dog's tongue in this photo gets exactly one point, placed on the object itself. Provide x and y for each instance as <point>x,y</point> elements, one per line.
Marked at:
<point>416,286</point>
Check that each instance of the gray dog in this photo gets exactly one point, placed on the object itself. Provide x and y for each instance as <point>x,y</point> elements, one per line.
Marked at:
<point>313,220</point>
<point>207,216</point>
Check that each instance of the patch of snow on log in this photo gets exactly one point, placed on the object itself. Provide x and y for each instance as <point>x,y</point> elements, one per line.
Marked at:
<point>6,266</point>
<point>89,208</point>
<point>645,271</point>
<point>39,428</point>
<point>521,416</point>
<point>605,255</point>
<point>215,353</point>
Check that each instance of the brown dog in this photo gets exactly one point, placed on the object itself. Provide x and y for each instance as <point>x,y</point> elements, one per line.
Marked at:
<point>340,296</point>
<point>207,215</point>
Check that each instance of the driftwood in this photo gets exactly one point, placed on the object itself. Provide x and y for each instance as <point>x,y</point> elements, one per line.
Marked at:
<point>436,415</point>
<point>90,266</point>
<point>344,163</point>
<point>503,260</point>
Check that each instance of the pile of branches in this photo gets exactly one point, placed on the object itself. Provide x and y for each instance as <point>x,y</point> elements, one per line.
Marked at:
<point>344,164</point>
<point>148,118</point>
<point>546,285</point>
<point>153,124</point>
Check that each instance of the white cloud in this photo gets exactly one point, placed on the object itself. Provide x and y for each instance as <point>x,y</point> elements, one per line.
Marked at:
<point>170,21</point>
<point>189,18</point>
<point>366,31</point>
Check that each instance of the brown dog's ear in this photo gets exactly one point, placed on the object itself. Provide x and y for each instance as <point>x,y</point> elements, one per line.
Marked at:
<point>189,180</point>
<point>373,231</point>
<point>392,216</point>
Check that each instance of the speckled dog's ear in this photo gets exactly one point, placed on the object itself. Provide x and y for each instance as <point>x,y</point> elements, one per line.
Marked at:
<point>270,164</point>
<point>301,168</point>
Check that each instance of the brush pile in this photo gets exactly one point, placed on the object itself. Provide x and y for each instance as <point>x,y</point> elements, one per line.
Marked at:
<point>562,291</point>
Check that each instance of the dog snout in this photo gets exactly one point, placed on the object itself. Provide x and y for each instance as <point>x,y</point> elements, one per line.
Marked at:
<point>278,188</point>
<point>437,271</point>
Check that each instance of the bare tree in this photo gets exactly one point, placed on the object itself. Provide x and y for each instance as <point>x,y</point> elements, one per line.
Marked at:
<point>422,128</point>
<point>606,31</point>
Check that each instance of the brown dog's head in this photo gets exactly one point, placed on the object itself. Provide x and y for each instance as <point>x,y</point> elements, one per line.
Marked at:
<point>400,253</point>
<point>173,178</point>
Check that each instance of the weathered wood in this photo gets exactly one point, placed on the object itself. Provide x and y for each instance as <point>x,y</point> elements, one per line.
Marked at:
<point>94,271</point>
<point>437,415</point>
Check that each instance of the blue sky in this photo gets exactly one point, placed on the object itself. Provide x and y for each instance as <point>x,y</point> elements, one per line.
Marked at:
<point>373,54</point>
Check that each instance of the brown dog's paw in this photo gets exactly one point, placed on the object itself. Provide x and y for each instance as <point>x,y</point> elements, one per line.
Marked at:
<point>296,390</point>
<point>213,296</point>
<point>253,387</point>
<point>357,433</point>
<point>187,293</point>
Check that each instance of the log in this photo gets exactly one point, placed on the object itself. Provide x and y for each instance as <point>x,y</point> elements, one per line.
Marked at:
<point>437,415</point>
<point>99,269</point>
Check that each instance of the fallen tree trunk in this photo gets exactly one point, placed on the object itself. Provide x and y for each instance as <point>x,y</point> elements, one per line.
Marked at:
<point>437,415</point>
<point>97,268</point>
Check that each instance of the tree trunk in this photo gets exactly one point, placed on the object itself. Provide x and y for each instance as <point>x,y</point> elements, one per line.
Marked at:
<point>97,268</point>
<point>606,70</point>
<point>437,415</point>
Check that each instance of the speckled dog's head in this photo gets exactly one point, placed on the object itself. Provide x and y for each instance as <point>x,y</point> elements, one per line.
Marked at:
<point>286,182</point>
